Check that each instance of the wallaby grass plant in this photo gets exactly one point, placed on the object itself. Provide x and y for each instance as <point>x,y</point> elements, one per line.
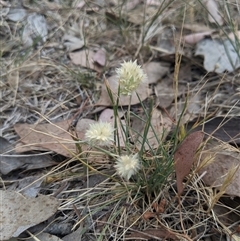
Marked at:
<point>142,174</point>
<point>117,203</point>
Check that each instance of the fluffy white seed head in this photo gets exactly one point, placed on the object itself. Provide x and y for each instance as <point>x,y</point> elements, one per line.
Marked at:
<point>101,134</point>
<point>130,75</point>
<point>127,166</point>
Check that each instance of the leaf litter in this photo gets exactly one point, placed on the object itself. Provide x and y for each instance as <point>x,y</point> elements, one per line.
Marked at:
<point>19,213</point>
<point>54,137</point>
<point>10,160</point>
<point>226,160</point>
<point>55,86</point>
<point>219,56</point>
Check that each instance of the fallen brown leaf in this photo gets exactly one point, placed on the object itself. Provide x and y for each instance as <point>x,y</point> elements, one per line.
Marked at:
<point>159,207</point>
<point>10,161</point>
<point>155,71</point>
<point>54,137</point>
<point>147,215</point>
<point>235,35</point>
<point>85,58</point>
<point>45,237</point>
<point>165,93</point>
<point>100,57</point>
<point>72,43</point>
<point>226,129</point>
<point>18,213</point>
<point>226,158</point>
<point>184,157</point>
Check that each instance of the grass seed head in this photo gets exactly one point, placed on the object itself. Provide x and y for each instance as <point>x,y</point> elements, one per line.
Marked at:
<point>127,166</point>
<point>130,75</point>
<point>101,134</point>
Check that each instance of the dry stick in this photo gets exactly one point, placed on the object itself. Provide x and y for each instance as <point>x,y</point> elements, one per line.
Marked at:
<point>77,211</point>
<point>60,189</point>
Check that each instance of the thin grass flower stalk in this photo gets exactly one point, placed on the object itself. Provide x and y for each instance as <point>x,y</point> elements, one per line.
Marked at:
<point>130,75</point>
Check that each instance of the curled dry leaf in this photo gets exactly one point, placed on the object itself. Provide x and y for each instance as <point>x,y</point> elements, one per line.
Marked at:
<point>18,213</point>
<point>213,13</point>
<point>72,43</point>
<point>184,157</point>
<point>196,37</point>
<point>226,159</point>
<point>147,215</point>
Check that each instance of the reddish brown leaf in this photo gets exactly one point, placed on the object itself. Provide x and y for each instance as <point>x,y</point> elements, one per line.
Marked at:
<point>184,157</point>
<point>147,215</point>
<point>159,207</point>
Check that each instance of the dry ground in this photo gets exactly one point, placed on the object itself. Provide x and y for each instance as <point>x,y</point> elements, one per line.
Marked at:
<point>41,83</point>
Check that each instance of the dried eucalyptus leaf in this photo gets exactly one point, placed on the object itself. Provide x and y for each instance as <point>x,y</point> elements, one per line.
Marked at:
<point>9,161</point>
<point>36,27</point>
<point>219,56</point>
<point>17,14</point>
<point>18,213</point>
